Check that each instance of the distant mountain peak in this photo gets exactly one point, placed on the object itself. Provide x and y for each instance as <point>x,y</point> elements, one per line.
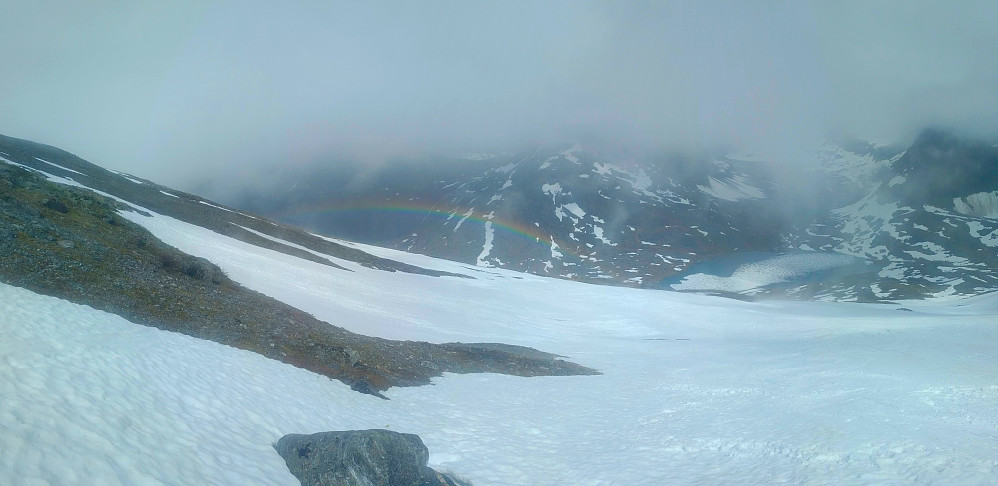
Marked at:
<point>641,220</point>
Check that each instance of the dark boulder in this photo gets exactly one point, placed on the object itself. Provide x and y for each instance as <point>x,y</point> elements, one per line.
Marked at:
<point>56,205</point>
<point>360,457</point>
<point>194,267</point>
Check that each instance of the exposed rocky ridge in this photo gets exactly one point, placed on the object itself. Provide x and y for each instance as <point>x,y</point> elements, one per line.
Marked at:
<point>939,167</point>
<point>191,208</point>
<point>70,243</point>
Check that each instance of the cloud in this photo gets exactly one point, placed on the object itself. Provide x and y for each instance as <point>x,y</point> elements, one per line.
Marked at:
<point>182,91</point>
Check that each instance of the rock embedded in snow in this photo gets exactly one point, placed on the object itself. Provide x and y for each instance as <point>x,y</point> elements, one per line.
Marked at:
<point>361,458</point>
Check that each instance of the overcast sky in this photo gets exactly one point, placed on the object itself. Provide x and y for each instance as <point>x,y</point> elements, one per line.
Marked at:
<point>176,91</point>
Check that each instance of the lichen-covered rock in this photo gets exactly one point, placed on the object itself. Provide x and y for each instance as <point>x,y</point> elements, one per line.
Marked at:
<point>360,457</point>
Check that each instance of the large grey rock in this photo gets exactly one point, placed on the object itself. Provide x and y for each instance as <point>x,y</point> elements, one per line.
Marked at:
<point>360,457</point>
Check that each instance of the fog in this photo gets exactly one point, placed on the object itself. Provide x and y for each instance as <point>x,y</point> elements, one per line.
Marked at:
<point>180,92</point>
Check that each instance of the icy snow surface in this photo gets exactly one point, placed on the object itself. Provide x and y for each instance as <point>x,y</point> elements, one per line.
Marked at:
<point>575,209</point>
<point>732,188</point>
<point>777,269</point>
<point>982,205</point>
<point>487,246</point>
<point>695,390</point>
<point>463,217</point>
<point>58,166</point>
<point>126,176</point>
<point>206,203</point>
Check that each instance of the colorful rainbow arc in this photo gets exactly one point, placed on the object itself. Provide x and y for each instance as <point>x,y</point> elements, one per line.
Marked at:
<point>522,231</point>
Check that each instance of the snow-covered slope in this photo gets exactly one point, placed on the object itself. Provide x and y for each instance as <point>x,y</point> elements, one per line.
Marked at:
<point>564,211</point>
<point>925,222</point>
<point>922,215</point>
<point>695,390</point>
<point>755,276</point>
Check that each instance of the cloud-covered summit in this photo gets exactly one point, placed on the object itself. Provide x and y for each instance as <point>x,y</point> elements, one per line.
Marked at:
<point>182,91</point>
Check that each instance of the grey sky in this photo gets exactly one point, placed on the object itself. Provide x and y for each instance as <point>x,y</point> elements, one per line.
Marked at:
<point>175,91</point>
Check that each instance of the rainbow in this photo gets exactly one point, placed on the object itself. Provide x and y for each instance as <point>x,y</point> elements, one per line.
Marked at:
<point>524,232</point>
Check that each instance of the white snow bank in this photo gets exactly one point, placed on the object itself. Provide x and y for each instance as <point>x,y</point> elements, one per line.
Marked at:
<point>575,209</point>
<point>732,188</point>
<point>777,269</point>
<point>58,166</point>
<point>980,205</point>
<point>486,246</point>
<point>988,236</point>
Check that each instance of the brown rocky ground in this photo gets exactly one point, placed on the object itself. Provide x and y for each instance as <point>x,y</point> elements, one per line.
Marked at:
<point>70,243</point>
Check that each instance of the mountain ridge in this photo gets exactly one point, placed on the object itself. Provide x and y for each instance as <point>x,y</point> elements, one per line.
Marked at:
<point>63,238</point>
<point>569,213</point>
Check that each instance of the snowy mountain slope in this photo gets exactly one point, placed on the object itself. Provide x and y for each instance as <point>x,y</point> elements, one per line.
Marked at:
<point>65,168</point>
<point>920,217</point>
<point>570,213</point>
<point>59,238</point>
<point>696,389</point>
<point>924,223</point>
<point>561,212</point>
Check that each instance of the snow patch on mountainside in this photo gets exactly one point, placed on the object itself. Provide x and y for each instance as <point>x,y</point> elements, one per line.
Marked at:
<point>858,170</point>
<point>554,250</point>
<point>598,232</point>
<point>58,166</point>
<point>11,162</point>
<point>487,246</point>
<point>131,178</point>
<point>463,218</point>
<point>939,254</point>
<point>575,209</point>
<point>777,269</point>
<point>980,205</point>
<point>732,188</point>
<point>552,190</point>
<point>866,220</point>
<point>977,231</point>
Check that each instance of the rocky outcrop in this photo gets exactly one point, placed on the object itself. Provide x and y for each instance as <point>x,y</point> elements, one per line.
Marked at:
<point>362,458</point>
<point>71,243</point>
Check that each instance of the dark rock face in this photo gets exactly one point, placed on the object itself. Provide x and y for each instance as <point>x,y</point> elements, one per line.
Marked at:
<point>940,166</point>
<point>360,457</point>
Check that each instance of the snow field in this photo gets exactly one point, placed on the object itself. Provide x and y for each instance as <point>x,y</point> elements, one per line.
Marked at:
<point>732,188</point>
<point>772,270</point>
<point>695,390</point>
